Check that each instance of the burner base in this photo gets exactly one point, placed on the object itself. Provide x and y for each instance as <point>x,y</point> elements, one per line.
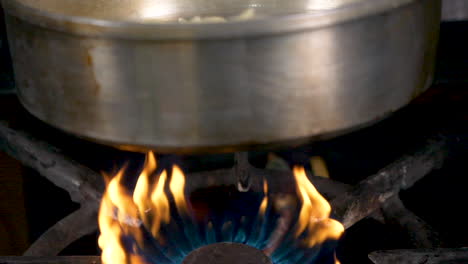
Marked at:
<point>227,253</point>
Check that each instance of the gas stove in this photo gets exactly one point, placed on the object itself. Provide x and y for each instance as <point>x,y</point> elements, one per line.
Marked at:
<point>397,187</point>
<point>393,208</point>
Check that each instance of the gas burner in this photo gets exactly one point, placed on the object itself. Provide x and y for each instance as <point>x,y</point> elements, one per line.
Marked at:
<point>227,253</point>
<point>159,219</point>
<point>375,197</point>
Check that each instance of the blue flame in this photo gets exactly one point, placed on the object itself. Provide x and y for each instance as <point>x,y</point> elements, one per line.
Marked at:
<point>226,215</point>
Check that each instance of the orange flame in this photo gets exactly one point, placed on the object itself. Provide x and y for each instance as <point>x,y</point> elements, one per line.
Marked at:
<point>314,214</point>
<point>160,205</point>
<point>264,203</point>
<point>123,214</point>
<point>142,187</point>
<point>177,186</point>
<point>109,240</point>
<point>118,215</point>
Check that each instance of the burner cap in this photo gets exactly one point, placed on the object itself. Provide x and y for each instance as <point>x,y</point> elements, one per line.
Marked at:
<point>227,253</point>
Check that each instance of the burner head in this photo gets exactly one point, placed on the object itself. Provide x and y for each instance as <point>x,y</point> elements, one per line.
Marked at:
<point>227,253</point>
<point>188,76</point>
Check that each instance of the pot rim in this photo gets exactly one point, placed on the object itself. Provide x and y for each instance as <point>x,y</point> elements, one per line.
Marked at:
<point>269,25</point>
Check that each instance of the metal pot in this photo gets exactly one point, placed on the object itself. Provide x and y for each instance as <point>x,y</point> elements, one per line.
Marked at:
<point>126,73</point>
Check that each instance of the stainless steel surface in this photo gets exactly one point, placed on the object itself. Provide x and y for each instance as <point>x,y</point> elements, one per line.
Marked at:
<point>166,10</point>
<point>107,73</point>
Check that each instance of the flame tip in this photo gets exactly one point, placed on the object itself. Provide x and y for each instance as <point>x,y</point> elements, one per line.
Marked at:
<point>314,217</point>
